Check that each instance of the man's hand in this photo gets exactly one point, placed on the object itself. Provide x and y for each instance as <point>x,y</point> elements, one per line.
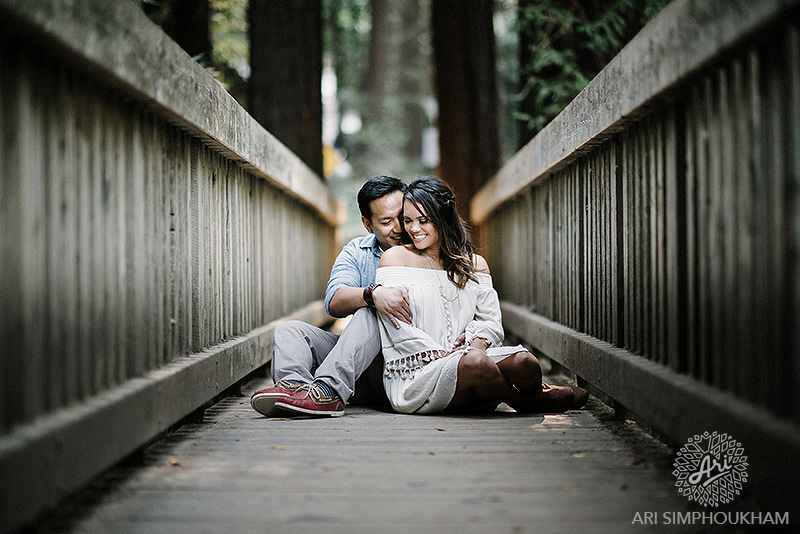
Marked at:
<point>394,303</point>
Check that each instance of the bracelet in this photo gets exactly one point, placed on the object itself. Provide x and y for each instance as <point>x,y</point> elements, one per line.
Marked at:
<point>368,295</point>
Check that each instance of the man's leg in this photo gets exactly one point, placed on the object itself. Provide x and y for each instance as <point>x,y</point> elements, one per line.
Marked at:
<point>335,378</point>
<point>298,350</point>
<point>357,347</point>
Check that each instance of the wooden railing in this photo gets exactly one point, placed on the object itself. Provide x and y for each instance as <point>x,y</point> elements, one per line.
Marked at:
<point>648,239</point>
<point>151,234</point>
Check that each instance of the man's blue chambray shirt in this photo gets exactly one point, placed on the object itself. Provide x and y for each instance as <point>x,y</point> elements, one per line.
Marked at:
<point>355,266</point>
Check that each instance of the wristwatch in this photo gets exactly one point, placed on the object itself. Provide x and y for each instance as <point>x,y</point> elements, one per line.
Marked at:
<point>368,295</point>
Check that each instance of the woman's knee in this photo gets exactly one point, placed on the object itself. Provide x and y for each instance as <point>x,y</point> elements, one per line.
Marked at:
<point>526,361</point>
<point>522,368</point>
<point>476,363</point>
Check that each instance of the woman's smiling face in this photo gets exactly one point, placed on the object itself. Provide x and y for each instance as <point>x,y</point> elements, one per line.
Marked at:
<point>423,232</point>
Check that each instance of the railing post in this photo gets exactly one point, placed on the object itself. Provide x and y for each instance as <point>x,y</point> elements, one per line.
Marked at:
<point>669,277</point>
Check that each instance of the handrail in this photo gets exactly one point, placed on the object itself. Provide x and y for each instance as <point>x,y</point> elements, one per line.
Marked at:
<point>153,234</point>
<point>686,37</point>
<point>117,42</point>
<point>647,239</point>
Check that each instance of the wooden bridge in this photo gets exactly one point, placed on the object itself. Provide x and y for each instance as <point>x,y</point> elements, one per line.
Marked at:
<point>152,234</point>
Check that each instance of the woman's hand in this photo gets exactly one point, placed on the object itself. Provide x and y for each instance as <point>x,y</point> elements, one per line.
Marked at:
<point>477,343</point>
<point>459,342</point>
<point>394,303</point>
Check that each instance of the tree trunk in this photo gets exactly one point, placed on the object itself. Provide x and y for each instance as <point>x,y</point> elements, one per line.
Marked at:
<point>186,22</point>
<point>410,84</point>
<point>286,70</point>
<point>377,73</point>
<point>465,80</point>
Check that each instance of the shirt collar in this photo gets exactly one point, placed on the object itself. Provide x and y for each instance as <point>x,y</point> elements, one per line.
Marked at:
<point>371,242</point>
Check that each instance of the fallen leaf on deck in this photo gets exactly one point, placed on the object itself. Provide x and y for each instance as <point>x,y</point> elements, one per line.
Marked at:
<point>579,454</point>
<point>175,463</point>
<point>629,463</point>
<point>276,447</point>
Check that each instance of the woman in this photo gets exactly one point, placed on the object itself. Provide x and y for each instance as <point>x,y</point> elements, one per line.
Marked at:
<point>450,358</point>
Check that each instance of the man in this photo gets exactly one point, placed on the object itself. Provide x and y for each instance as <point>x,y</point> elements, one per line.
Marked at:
<point>315,371</point>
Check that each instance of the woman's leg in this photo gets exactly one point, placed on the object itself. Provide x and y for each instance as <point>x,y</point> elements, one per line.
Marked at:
<point>481,381</point>
<point>516,380</point>
<point>522,370</point>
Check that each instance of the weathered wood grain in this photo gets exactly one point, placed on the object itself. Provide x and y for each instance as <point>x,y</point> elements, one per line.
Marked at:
<point>44,462</point>
<point>680,42</point>
<point>641,385</point>
<point>698,256</point>
<point>135,196</point>
<point>372,471</point>
<point>180,90</point>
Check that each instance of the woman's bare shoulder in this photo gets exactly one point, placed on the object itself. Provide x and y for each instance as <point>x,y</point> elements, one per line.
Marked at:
<point>480,264</point>
<point>399,255</point>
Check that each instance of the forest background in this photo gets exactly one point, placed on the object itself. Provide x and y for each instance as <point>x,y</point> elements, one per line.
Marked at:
<point>379,107</point>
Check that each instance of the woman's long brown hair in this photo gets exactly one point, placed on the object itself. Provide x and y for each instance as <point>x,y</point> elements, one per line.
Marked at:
<point>435,199</point>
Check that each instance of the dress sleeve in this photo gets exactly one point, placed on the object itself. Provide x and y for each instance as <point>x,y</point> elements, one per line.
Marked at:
<point>487,323</point>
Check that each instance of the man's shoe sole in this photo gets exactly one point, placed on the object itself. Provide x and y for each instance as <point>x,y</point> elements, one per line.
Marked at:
<point>265,404</point>
<point>306,411</point>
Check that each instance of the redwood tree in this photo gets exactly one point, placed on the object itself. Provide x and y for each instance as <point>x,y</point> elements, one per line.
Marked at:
<point>465,82</point>
<point>284,90</point>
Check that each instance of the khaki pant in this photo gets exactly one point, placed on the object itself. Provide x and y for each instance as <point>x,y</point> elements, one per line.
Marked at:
<point>349,362</point>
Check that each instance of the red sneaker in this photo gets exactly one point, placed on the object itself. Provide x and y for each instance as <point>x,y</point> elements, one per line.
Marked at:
<point>263,401</point>
<point>312,401</point>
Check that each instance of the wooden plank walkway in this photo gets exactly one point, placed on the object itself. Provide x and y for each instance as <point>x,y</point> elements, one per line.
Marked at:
<point>372,471</point>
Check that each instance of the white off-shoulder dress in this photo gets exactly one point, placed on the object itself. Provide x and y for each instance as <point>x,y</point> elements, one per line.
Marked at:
<point>419,374</point>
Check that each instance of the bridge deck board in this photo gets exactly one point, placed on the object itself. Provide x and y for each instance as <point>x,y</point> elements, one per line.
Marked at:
<point>502,472</point>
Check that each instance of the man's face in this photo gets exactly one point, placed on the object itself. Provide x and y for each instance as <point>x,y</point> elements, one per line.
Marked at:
<point>385,222</point>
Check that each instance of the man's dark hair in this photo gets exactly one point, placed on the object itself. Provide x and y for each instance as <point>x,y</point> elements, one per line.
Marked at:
<point>375,188</point>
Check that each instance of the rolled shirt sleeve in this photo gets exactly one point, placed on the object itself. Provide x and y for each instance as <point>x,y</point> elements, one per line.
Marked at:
<point>355,266</point>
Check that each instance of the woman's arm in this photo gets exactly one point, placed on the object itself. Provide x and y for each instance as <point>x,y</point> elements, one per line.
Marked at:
<point>478,341</point>
<point>480,264</point>
<point>486,327</point>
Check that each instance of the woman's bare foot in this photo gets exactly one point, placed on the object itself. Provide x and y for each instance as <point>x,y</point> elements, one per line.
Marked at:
<point>556,399</point>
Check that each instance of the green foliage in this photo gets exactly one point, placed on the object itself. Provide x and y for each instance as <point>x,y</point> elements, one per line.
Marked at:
<point>230,42</point>
<point>346,33</point>
<point>567,43</point>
